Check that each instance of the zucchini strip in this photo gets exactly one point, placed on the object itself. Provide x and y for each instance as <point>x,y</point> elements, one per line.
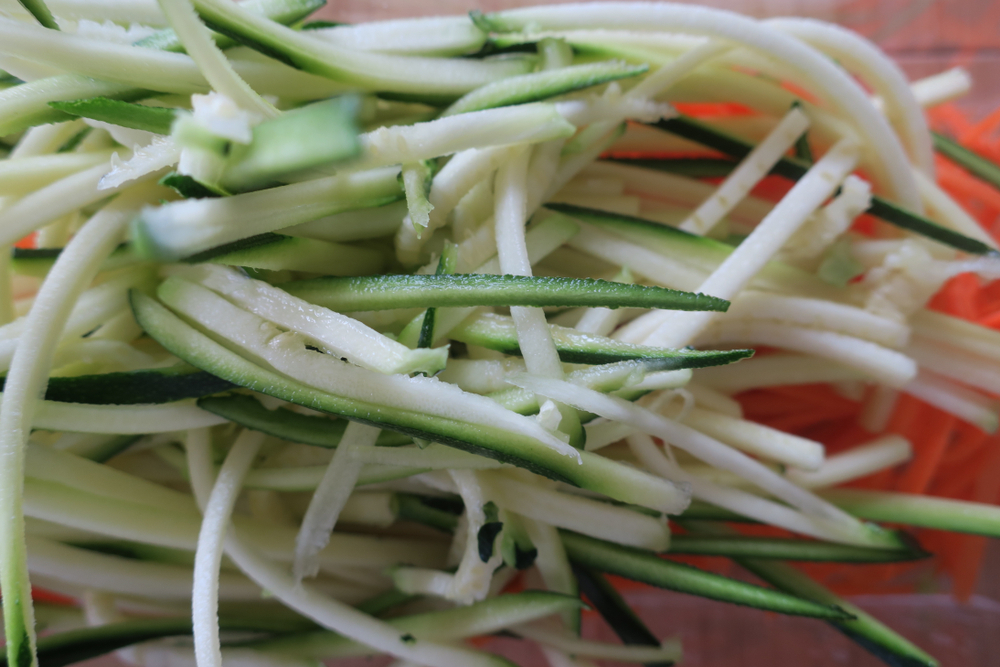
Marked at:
<point>480,618</point>
<point>595,473</point>
<point>787,549</point>
<point>648,568</point>
<point>283,423</point>
<point>72,646</point>
<point>614,610</point>
<point>497,332</point>
<point>464,290</point>
<point>154,386</point>
<point>794,169</point>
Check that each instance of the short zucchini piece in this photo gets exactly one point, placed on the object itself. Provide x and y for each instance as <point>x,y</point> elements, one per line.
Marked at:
<point>124,114</point>
<point>497,332</point>
<point>277,252</point>
<point>470,289</point>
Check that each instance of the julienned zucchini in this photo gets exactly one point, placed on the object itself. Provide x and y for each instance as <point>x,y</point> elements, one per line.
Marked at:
<point>38,262</point>
<point>794,169</point>
<point>287,425</point>
<point>463,290</point>
<point>742,546</point>
<point>156,385</point>
<point>497,332</point>
<point>117,112</point>
<point>276,252</point>
<point>649,568</point>
<point>543,85</point>
<point>66,648</point>
<point>699,252</point>
<point>614,610</point>
<point>592,472</point>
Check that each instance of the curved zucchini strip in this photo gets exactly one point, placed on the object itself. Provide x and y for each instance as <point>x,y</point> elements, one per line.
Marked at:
<point>649,568</point>
<point>473,289</point>
<point>287,425</point>
<point>497,332</point>
<point>593,472</point>
<point>158,385</point>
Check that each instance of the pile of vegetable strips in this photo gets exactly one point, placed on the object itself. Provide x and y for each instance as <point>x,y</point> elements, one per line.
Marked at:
<point>327,340</point>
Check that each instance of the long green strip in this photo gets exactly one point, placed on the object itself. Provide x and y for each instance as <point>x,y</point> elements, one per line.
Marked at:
<point>125,114</point>
<point>795,169</point>
<point>41,12</point>
<point>867,631</point>
<point>974,163</point>
<point>287,425</point>
<point>787,549</point>
<point>649,568</point>
<point>958,516</point>
<point>74,646</point>
<point>497,332</point>
<point>161,385</point>
<point>592,472</point>
<point>385,292</point>
<point>615,611</point>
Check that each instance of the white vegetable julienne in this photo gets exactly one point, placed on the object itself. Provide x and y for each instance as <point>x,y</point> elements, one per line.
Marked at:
<point>26,380</point>
<point>219,73</point>
<point>329,499</point>
<point>707,449</point>
<point>309,602</point>
<point>678,329</point>
<point>745,177</point>
<point>336,333</point>
<point>208,557</point>
<point>856,462</point>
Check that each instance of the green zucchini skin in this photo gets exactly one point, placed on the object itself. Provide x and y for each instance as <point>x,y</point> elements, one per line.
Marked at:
<point>615,610</point>
<point>287,425</point>
<point>647,567</point>
<point>66,648</point>
<point>160,385</point>
<point>788,549</point>
<point>496,332</point>
<point>117,112</point>
<point>467,290</point>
